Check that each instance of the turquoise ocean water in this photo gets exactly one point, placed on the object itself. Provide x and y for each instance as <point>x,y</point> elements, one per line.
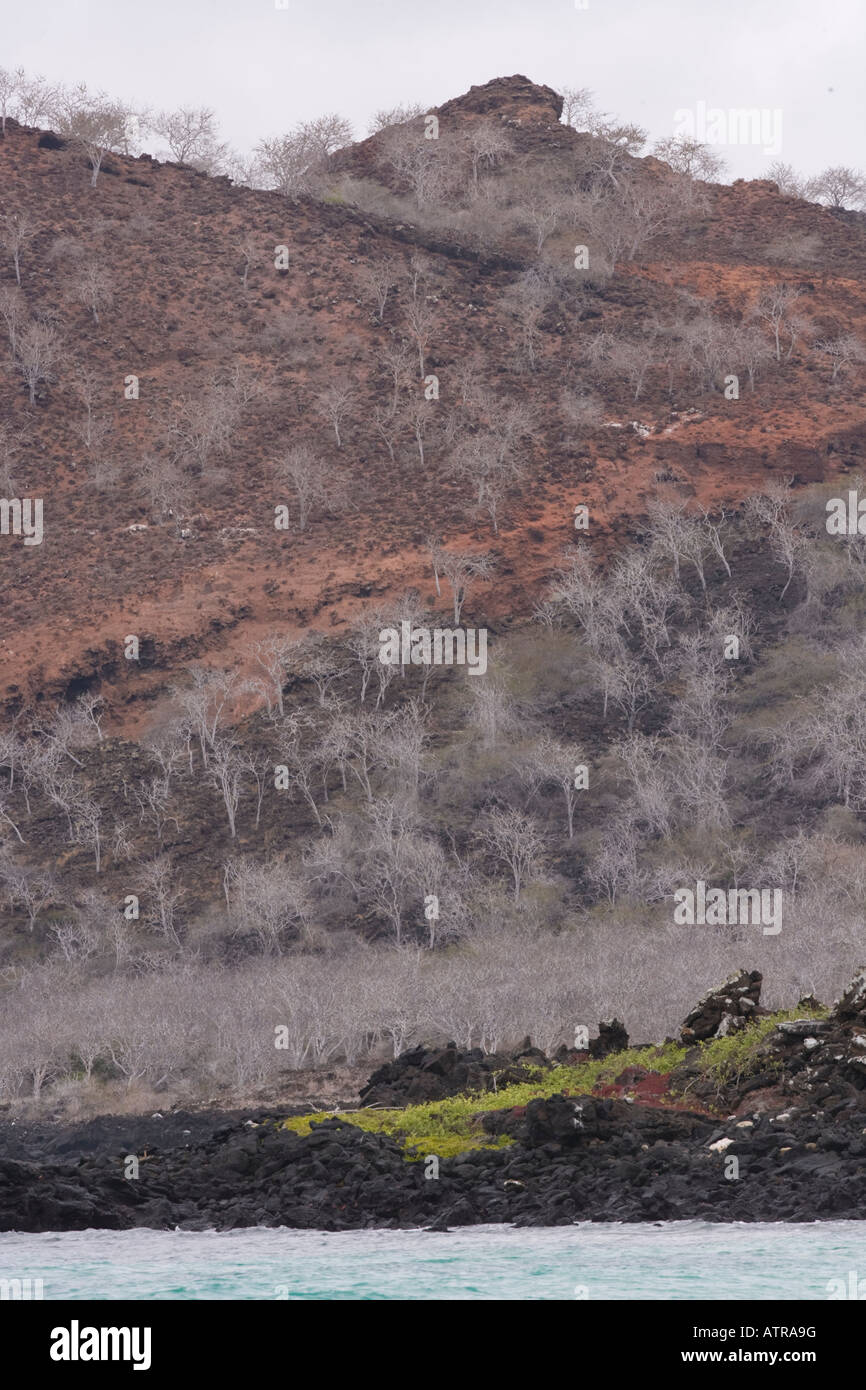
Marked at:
<point>676,1260</point>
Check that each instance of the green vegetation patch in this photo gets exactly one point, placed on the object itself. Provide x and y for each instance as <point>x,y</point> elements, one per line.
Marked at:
<point>446,1127</point>
<point>730,1060</point>
<point>453,1126</point>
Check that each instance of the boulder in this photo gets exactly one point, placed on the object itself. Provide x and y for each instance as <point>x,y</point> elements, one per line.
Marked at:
<point>726,1009</point>
<point>424,1074</point>
<point>612,1037</point>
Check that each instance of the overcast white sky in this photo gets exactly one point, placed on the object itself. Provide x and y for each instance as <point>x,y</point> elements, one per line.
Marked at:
<point>264,68</point>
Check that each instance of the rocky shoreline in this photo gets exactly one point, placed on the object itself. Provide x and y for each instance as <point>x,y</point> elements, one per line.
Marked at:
<point>788,1144</point>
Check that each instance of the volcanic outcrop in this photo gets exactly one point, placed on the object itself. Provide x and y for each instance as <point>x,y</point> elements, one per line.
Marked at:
<point>726,1009</point>
<point>799,1151</point>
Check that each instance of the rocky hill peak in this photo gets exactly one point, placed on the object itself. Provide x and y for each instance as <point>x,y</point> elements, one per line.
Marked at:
<point>513,99</point>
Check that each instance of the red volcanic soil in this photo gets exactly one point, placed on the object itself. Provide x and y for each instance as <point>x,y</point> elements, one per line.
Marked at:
<point>647,1088</point>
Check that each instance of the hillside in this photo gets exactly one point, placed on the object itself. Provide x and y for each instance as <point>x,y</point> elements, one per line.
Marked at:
<point>168,242</point>
<point>483,372</point>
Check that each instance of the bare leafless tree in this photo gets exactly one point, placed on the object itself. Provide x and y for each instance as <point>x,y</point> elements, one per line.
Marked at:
<point>251,250</point>
<point>749,349</point>
<point>362,644</point>
<point>653,210</point>
<point>12,750</point>
<point>550,762</point>
<point>326,134</point>
<point>226,771</point>
<point>492,713</point>
<point>691,157</point>
<point>630,358</point>
<point>13,311</point>
<point>650,790</point>
<point>529,299</point>
<point>841,352</point>
<point>402,741</point>
<point>417,415</point>
<point>293,163</point>
<point>203,424</point>
<point>38,350</point>
<point>790,183</point>
<point>86,815</point>
<point>486,146</point>
<point>91,285</point>
<point>490,468</point>
<point>461,568</point>
<point>17,230</point>
<point>6,814</point>
<point>674,533</point>
<point>154,798</point>
<point>191,134</point>
<point>394,115</point>
<point>788,545</point>
<point>581,592</point>
<point>711,347</point>
<point>516,841</point>
<point>298,763</point>
<point>206,702</point>
<point>631,690</point>
<point>542,208</point>
<point>311,479</point>
<point>397,361</point>
<point>86,386</point>
<point>274,655</point>
<point>320,661</point>
<point>269,900</point>
<point>161,895</point>
<point>583,411</point>
<point>94,122</point>
<point>578,109</point>
<point>775,308</point>
<point>839,187</point>
<point>420,320</point>
<point>34,100</point>
<point>72,726</point>
<point>713,525</point>
<point>622,220</point>
<point>76,939</point>
<point>580,112</point>
<point>334,404</point>
<point>10,81</point>
<point>391,874</point>
<point>27,888</point>
<point>612,868</point>
<point>427,168</point>
<point>166,487</point>
<point>259,763</point>
<point>376,279</point>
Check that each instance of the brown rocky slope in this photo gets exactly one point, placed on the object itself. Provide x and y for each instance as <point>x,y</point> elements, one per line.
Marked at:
<point>168,240</point>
